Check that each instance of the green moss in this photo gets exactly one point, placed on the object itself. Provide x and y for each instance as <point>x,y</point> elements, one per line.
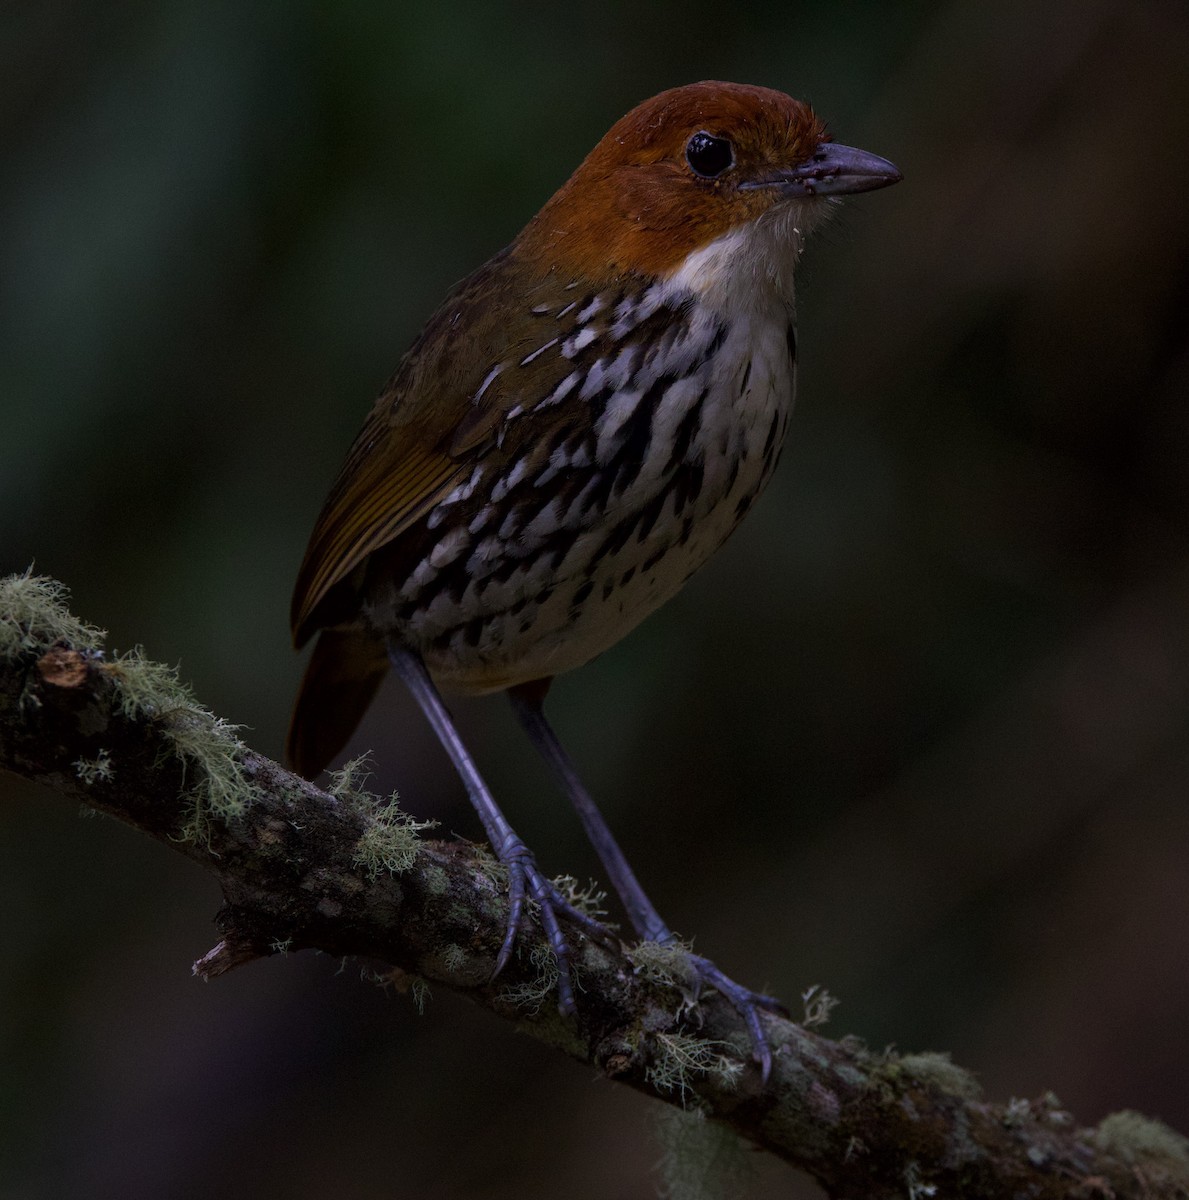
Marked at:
<point>700,1159</point>
<point>34,616</point>
<point>595,959</point>
<point>1141,1141</point>
<point>937,1070</point>
<point>437,882</point>
<point>666,964</point>
<point>391,839</point>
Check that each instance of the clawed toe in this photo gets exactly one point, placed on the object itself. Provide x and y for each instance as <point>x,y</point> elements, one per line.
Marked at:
<point>748,1004</point>
<point>710,974</point>
<point>525,878</point>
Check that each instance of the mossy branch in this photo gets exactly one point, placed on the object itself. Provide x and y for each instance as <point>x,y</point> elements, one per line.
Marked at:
<point>346,873</point>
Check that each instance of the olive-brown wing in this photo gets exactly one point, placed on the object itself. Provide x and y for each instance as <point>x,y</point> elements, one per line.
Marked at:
<point>437,417</point>
<point>379,493</point>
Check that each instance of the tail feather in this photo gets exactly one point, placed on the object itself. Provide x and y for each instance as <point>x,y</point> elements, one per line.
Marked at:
<point>344,673</point>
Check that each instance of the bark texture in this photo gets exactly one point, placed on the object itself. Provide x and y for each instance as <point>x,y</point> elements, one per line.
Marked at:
<point>346,873</point>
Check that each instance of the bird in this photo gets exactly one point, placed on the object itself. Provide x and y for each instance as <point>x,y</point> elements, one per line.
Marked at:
<point>576,430</point>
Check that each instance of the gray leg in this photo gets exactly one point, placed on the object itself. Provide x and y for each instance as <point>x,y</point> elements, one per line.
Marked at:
<point>528,704</point>
<point>524,876</point>
<point>646,921</point>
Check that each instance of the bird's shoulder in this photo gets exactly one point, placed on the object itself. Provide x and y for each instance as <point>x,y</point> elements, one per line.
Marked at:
<point>496,346</point>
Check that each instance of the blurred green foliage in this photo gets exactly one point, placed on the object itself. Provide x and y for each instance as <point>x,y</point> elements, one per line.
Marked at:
<point>921,734</point>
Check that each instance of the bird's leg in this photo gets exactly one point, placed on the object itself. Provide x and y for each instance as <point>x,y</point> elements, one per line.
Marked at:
<point>524,876</point>
<point>528,704</point>
<point>646,921</point>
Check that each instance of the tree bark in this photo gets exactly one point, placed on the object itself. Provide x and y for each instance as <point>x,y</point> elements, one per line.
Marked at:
<point>346,873</point>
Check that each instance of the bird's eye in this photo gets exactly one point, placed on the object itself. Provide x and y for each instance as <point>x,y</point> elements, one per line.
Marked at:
<point>709,156</point>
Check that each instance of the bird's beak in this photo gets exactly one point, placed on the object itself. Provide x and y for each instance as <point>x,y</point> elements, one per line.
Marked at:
<point>833,170</point>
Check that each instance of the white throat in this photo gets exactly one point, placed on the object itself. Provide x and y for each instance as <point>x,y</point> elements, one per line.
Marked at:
<point>750,269</point>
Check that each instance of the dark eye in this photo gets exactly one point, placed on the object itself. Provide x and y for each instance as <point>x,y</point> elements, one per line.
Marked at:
<point>709,156</point>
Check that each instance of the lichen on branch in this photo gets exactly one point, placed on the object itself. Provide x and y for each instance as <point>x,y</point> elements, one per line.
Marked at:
<point>349,873</point>
<point>34,615</point>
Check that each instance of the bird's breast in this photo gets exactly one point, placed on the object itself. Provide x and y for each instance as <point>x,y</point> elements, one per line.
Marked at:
<point>550,552</point>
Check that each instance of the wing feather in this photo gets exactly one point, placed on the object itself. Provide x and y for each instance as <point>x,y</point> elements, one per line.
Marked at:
<point>437,417</point>
<point>372,504</point>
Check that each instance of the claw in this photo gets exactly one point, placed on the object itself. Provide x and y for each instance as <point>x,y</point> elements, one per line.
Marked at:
<point>557,940</point>
<point>526,878</point>
<point>747,1004</point>
<point>515,909</point>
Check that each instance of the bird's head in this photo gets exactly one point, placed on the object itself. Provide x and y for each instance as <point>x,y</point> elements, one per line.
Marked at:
<point>733,173</point>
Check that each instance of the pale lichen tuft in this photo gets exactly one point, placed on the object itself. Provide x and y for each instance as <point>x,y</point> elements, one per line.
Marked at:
<point>94,770</point>
<point>589,899</point>
<point>914,1185</point>
<point>532,993</point>
<point>453,957</point>
<point>390,842</point>
<point>679,1059</point>
<point>819,1004</point>
<point>700,1159</point>
<point>664,963</point>
<point>1141,1141</point>
<point>420,994</point>
<point>34,615</point>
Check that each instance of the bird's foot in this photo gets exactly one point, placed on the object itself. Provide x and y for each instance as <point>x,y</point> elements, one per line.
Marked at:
<point>747,1004</point>
<point>525,880</point>
<point>671,961</point>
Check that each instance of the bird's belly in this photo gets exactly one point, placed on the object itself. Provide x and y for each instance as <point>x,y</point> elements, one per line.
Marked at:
<point>586,563</point>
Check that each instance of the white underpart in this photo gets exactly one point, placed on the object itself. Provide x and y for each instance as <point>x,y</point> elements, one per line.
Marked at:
<point>750,268</point>
<point>560,392</point>
<point>449,548</point>
<point>591,309</point>
<point>742,285</point>
<point>619,408</point>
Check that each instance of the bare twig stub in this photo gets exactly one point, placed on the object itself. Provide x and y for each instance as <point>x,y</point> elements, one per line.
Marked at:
<point>349,874</point>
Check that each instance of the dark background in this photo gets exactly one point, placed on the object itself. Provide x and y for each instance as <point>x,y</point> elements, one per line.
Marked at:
<point>920,734</point>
